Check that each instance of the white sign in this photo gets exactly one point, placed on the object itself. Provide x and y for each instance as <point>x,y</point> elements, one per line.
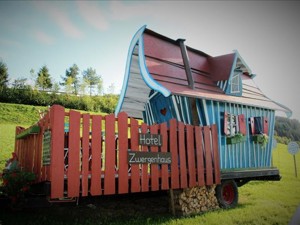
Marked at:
<point>150,139</point>
<point>136,157</point>
<point>293,148</point>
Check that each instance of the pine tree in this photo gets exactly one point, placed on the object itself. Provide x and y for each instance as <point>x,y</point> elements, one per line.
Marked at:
<point>44,79</point>
<point>71,75</point>
<point>91,78</point>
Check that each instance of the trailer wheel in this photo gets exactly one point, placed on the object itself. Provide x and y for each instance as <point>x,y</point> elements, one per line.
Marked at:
<point>227,194</point>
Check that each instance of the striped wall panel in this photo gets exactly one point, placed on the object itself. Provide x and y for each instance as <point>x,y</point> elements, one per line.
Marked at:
<point>245,154</point>
<point>222,84</point>
<point>241,155</point>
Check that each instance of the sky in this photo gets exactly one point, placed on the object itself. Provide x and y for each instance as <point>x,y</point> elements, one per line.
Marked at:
<point>97,34</point>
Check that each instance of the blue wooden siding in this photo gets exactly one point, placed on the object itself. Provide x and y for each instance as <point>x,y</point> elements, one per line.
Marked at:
<point>242,155</point>
<point>245,154</point>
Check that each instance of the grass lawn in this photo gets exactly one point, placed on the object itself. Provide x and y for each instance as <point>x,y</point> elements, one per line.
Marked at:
<point>7,132</point>
<point>260,202</point>
<point>12,115</point>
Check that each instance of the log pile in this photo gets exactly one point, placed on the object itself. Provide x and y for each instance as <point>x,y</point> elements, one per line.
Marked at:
<point>195,200</point>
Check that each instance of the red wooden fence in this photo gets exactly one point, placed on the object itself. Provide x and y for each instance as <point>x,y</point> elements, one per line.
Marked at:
<point>91,156</point>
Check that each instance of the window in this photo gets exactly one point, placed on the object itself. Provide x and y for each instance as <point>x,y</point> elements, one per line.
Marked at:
<point>235,83</point>
<point>234,124</point>
<point>259,125</point>
<point>234,128</point>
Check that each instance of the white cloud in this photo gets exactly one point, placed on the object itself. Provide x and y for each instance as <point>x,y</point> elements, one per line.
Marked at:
<point>43,38</point>
<point>93,14</point>
<point>60,17</point>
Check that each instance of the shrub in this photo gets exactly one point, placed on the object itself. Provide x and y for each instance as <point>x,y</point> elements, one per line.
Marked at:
<point>282,140</point>
<point>15,181</point>
<point>28,96</point>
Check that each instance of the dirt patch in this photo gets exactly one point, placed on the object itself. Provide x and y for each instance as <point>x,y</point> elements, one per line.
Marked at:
<point>140,208</point>
<point>154,203</point>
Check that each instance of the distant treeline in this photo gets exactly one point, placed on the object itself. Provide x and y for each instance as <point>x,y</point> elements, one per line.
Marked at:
<point>105,103</point>
<point>287,130</point>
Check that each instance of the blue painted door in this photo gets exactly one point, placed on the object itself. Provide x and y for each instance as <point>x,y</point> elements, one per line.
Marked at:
<point>161,108</point>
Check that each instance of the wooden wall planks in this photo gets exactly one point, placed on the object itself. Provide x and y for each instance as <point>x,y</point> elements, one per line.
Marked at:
<point>96,161</point>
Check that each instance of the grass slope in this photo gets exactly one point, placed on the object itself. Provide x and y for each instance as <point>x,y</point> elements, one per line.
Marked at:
<point>260,203</point>
<point>12,115</point>
<point>7,138</point>
<point>19,114</point>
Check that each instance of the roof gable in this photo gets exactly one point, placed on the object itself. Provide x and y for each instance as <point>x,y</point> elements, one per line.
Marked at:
<point>239,68</point>
<point>137,81</point>
<point>157,63</point>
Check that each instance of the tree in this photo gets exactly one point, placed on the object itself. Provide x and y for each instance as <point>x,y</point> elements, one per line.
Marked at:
<point>69,85</point>
<point>111,88</point>
<point>55,87</point>
<point>289,128</point>
<point>19,83</point>
<point>33,78</point>
<point>100,86</point>
<point>3,75</point>
<point>82,87</point>
<point>91,78</point>
<point>71,75</point>
<point>44,79</point>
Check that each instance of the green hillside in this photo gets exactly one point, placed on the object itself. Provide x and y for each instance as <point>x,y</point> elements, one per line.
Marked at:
<point>12,115</point>
<point>19,114</point>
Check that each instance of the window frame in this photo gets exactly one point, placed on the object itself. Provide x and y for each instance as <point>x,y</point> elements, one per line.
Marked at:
<point>235,83</point>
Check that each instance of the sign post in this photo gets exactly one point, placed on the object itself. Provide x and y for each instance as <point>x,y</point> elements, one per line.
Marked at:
<point>293,148</point>
<point>295,166</point>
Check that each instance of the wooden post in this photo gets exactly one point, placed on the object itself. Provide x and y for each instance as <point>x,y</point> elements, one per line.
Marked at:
<point>186,63</point>
<point>85,154</point>
<point>135,171</point>
<point>57,116</point>
<point>110,153</point>
<point>74,155</point>
<point>145,177</point>
<point>293,148</point>
<point>191,155</point>
<point>182,156</point>
<point>208,156</point>
<point>96,186</point>
<point>164,148</point>
<point>154,167</point>
<point>172,202</point>
<point>295,165</point>
<point>123,148</point>
<point>174,151</point>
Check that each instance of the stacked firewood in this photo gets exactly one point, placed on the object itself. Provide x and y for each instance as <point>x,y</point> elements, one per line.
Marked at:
<point>195,200</point>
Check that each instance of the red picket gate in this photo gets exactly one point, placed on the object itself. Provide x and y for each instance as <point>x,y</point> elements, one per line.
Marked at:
<point>90,155</point>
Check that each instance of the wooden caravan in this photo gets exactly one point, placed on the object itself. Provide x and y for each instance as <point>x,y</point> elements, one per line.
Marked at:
<point>165,80</point>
